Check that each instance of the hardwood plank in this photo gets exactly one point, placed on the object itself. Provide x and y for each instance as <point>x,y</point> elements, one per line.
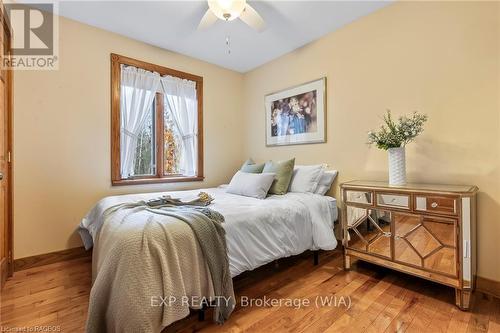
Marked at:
<point>459,321</point>
<point>289,317</point>
<point>396,291</point>
<point>347,320</point>
<point>479,320</point>
<point>382,300</point>
<point>439,323</point>
<point>349,283</point>
<point>385,318</point>
<point>403,319</point>
<point>494,320</point>
<point>426,310</point>
<point>355,291</point>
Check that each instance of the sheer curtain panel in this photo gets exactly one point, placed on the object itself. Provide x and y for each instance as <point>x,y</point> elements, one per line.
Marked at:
<point>181,102</point>
<point>138,89</point>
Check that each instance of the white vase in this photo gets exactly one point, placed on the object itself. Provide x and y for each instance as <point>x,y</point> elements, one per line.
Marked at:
<point>397,166</point>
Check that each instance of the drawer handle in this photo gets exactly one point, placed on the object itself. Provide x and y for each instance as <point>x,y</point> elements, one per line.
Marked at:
<point>434,204</point>
<point>393,200</point>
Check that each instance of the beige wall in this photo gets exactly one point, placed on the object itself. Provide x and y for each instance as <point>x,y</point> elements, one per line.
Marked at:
<point>62,131</point>
<point>439,58</point>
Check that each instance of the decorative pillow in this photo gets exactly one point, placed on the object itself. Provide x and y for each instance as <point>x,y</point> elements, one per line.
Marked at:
<point>326,181</point>
<point>283,171</point>
<point>305,178</point>
<point>255,185</point>
<point>250,167</point>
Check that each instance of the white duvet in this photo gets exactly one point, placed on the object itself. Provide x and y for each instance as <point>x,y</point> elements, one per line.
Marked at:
<point>257,231</point>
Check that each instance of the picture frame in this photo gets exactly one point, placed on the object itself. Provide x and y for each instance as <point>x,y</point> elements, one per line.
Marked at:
<point>297,115</point>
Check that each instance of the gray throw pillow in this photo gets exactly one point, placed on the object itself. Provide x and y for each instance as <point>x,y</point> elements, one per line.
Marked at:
<point>253,185</point>
<point>250,167</point>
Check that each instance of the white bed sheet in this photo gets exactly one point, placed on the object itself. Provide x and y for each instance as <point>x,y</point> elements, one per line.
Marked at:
<point>257,231</point>
<point>333,207</point>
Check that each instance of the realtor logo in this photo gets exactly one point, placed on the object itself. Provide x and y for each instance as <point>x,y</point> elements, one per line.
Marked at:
<point>34,42</point>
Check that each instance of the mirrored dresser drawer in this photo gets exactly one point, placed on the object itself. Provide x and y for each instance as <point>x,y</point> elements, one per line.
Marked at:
<point>359,197</point>
<point>386,199</point>
<point>436,204</point>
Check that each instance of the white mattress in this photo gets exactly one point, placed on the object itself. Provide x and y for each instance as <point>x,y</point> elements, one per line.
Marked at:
<point>257,231</point>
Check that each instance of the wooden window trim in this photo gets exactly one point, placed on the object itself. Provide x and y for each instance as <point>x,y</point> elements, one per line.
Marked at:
<point>116,61</point>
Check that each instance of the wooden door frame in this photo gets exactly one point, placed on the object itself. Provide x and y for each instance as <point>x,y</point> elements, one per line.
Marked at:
<point>10,221</point>
<point>9,235</point>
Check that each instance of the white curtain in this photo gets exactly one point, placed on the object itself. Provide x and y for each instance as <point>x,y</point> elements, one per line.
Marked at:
<point>138,89</point>
<point>181,102</point>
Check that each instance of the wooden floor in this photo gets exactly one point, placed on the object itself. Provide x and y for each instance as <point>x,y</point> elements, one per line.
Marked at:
<point>380,300</point>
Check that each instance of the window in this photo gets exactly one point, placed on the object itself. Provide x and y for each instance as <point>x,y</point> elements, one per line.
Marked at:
<point>145,157</point>
<point>156,123</point>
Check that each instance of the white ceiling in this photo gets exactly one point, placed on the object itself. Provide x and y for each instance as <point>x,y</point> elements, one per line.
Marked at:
<point>172,25</point>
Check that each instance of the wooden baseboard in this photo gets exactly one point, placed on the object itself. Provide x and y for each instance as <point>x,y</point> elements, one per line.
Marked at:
<point>50,258</point>
<point>487,286</point>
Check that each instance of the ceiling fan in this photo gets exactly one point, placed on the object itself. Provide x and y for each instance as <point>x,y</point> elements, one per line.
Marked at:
<point>229,10</point>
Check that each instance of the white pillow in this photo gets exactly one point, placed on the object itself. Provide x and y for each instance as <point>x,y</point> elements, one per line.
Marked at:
<point>326,181</point>
<point>305,178</point>
<point>255,185</point>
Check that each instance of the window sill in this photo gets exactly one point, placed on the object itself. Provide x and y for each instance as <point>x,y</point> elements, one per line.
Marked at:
<point>156,180</point>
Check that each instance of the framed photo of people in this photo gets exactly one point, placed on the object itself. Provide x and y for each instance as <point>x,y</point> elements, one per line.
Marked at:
<point>297,115</point>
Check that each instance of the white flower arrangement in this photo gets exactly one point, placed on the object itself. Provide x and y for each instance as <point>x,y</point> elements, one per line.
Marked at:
<point>397,134</point>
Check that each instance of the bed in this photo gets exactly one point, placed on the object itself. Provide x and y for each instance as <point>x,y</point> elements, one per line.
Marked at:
<point>257,232</point>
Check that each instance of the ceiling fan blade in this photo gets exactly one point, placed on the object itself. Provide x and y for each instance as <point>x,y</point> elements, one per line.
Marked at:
<point>252,18</point>
<point>207,20</point>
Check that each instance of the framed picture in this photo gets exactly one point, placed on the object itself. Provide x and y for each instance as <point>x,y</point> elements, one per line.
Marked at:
<point>297,115</point>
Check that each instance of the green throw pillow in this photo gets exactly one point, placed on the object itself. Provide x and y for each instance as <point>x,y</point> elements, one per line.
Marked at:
<point>283,171</point>
<point>250,167</point>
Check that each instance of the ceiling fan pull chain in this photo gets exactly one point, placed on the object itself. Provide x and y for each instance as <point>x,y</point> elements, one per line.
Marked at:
<point>228,44</point>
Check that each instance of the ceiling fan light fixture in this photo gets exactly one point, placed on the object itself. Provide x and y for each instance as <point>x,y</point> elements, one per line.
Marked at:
<point>227,10</point>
